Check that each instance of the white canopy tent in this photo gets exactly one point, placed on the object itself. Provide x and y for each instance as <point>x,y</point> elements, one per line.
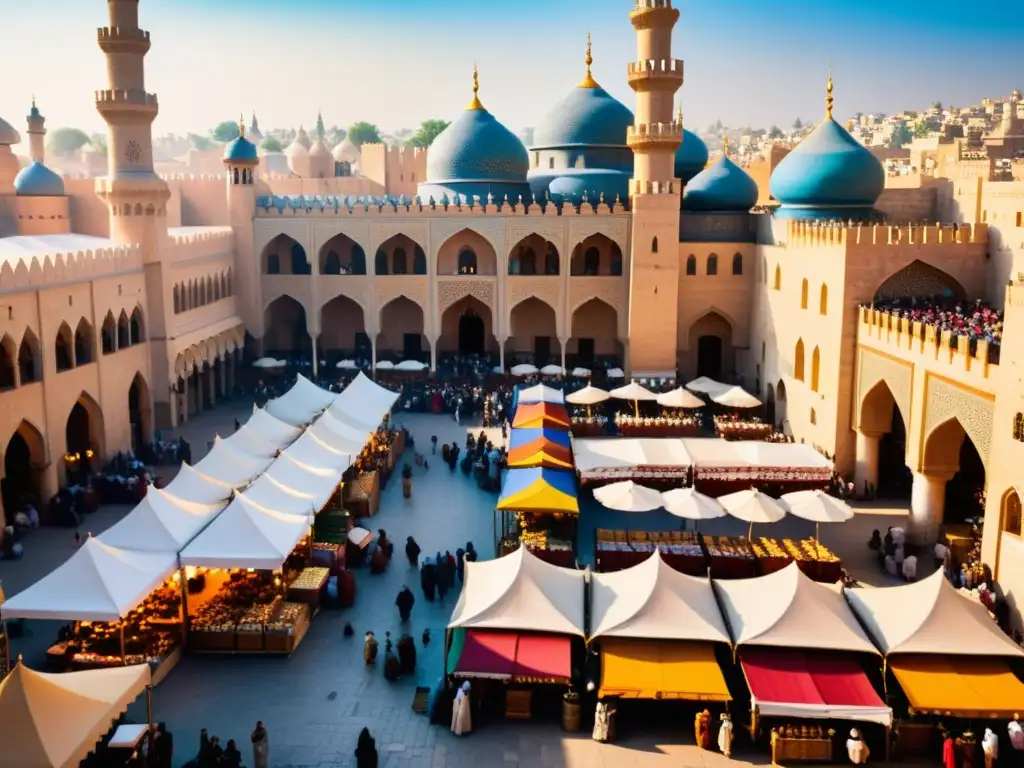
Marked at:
<point>521,592</point>
<point>339,435</point>
<point>268,493</point>
<point>271,428</point>
<point>692,505</point>
<point>228,465</point>
<point>929,617</point>
<point>160,523</point>
<point>190,485</point>
<point>245,535</point>
<point>411,365</point>
<point>627,496</point>
<point>315,453</point>
<point>250,443</point>
<point>319,484</point>
<point>615,373</point>
<point>706,386</point>
<point>97,583</point>
<point>589,395</point>
<point>364,402</point>
<point>653,601</point>
<point>384,365</point>
<point>541,393</point>
<point>524,369</point>
<point>786,609</point>
<point>679,398</point>
<point>634,392</point>
<point>581,373</point>
<point>735,397</point>
<point>780,455</point>
<point>301,403</point>
<point>627,456</point>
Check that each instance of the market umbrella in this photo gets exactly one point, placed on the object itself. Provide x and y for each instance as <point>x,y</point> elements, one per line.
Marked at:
<point>706,386</point>
<point>410,365</point>
<point>627,496</point>
<point>752,506</point>
<point>581,373</point>
<point>679,398</point>
<point>735,397</point>
<point>818,507</point>
<point>385,365</point>
<point>269,362</point>
<point>688,503</point>
<point>360,537</point>
<point>634,392</point>
<point>615,373</point>
<point>524,369</point>
<point>347,365</point>
<point>552,370</point>
<point>587,396</point>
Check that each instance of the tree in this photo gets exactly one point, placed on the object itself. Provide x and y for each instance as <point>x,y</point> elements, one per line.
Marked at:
<point>900,136</point>
<point>426,133</point>
<point>226,131</point>
<point>798,124</point>
<point>921,130</point>
<point>66,141</point>
<point>937,105</point>
<point>202,143</point>
<point>775,132</point>
<point>364,133</point>
<point>99,143</point>
<point>271,144</point>
<point>336,134</point>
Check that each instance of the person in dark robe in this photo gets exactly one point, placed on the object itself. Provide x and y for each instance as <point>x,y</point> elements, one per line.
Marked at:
<point>446,451</point>
<point>407,655</point>
<point>392,667</point>
<point>460,564</point>
<point>203,756</point>
<point>163,746</point>
<point>370,649</point>
<point>216,752</point>
<point>412,551</point>
<point>366,750</point>
<point>384,543</point>
<point>405,602</point>
<point>452,566</point>
<point>442,575</point>
<point>378,561</point>
<point>428,578</point>
<point>470,552</point>
<point>232,755</point>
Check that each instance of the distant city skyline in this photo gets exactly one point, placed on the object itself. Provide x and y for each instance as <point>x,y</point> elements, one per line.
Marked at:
<point>747,62</point>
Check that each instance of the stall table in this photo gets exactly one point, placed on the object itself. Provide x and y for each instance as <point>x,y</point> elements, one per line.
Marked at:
<point>309,587</point>
<point>617,550</point>
<point>730,558</point>
<point>362,495</point>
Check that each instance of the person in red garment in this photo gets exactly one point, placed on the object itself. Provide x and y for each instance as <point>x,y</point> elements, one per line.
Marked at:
<point>948,752</point>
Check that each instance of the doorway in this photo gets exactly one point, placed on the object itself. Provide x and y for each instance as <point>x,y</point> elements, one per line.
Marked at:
<point>138,413</point>
<point>21,481</point>
<point>894,477</point>
<point>709,357</point>
<point>412,346</point>
<point>541,350</point>
<point>585,350</point>
<point>471,334</point>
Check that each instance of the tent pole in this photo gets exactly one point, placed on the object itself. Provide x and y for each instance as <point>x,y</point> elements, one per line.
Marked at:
<point>184,606</point>
<point>7,648</point>
<point>750,532</point>
<point>149,717</point>
<point>124,655</point>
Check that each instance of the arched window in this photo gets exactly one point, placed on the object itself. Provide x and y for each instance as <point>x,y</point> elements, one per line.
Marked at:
<point>273,264</point>
<point>216,288</point>
<point>419,261</point>
<point>202,293</point>
<point>380,262</point>
<point>591,262</point>
<point>83,343</point>
<point>7,367</point>
<point>108,334</point>
<point>124,332</point>
<point>803,294</point>
<point>1018,427</point>
<point>815,367</point>
<point>138,326</point>
<point>236,175</point>
<point>823,300</point>
<point>616,261</point>
<point>551,261</point>
<point>29,360</point>
<point>63,349</point>
<point>691,265</point>
<point>654,245</point>
<point>1011,517</point>
<point>299,264</point>
<point>737,264</point>
<point>467,261</point>
<point>177,300</point>
<point>358,260</point>
<point>224,285</point>
<point>778,278</point>
<point>231,283</point>
<point>332,264</point>
<point>528,263</point>
<point>798,361</point>
<point>194,291</point>
<point>400,267</point>
<point>712,266</point>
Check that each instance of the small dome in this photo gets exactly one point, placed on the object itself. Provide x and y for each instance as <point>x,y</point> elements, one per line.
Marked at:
<point>829,173</point>
<point>691,157</point>
<point>346,151</point>
<point>593,182</point>
<point>8,135</point>
<point>303,138</point>
<point>720,188</point>
<point>319,149</point>
<point>36,180</point>
<point>296,149</point>
<point>476,147</point>
<point>241,149</point>
<point>587,117</point>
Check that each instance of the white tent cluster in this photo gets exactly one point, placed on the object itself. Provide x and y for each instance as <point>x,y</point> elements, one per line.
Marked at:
<point>245,505</point>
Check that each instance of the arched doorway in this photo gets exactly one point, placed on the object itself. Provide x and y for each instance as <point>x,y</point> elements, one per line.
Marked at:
<point>769,405</point>
<point>23,462</point>
<point>285,330</point>
<point>781,406</point>
<point>950,448</point>
<point>83,433</point>
<point>710,348</point>
<point>139,412</point>
<point>401,334</point>
<point>534,334</point>
<point>467,328</point>
<point>594,336</point>
<point>471,333</point>
<point>880,415</point>
<point>343,330</point>
<point>709,357</point>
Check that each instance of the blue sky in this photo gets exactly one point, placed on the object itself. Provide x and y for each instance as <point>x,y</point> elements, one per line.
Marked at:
<point>396,62</point>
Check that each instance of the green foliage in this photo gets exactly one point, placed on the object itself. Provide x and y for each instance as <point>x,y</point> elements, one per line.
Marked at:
<point>775,132</point>
<point>271,144</point>
<point>225,131</point>
<point>427,132</point>
<point>901,135</point>
<point>99,142</point>
<point>363,133</point>
<point>66,141</point>
<point>921,130</point>
<point>202,143</point>
<point>798,124</point>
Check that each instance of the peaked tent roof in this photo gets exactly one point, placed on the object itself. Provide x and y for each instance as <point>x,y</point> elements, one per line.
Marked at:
<point>270,428</point>
<point>88,702</point>
<point>929,616</point>
<point>315,453</point>
<point>339,435</point>
<point>786,609</point>
<point>540,415</point>
<point>249,442</point>
<point>541,393</point>
<point>633,391</point>
<point>525,436</point>
<point>228,465</point>
<point>653,601</point>
<point>364,402</point>
<point>521,592</point>
<point>97,583</point>
<point>296,477</point>
<point>192,485</point>
<point>539,490</point>
<point>160,523</point>
<point>268,493</point>
<point>301,403</point>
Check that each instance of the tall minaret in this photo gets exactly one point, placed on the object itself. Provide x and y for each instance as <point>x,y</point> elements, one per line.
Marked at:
<point>655,194</point>
<point>36,134</point>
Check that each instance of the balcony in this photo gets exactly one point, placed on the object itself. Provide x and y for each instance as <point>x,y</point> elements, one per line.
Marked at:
<point>653,75</point>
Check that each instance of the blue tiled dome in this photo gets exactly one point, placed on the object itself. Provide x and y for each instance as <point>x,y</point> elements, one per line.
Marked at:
<point>691,157</point>
<point>573,184</point>
<point>721,187</point>
<point>829,174</point>
<point>36,180</point>
<point>241,149</point>
<point>476,147</point>
<point>587,117</point>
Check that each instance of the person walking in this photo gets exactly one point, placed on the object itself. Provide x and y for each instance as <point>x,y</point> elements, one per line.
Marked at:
<point>260,746</point>
<point>443,583</point>
<point>428,578</point>
<point>405,601</point>
<point>412,551</point>
<point>366,750</point>
<point>370,649</point>
<point>163,746</point>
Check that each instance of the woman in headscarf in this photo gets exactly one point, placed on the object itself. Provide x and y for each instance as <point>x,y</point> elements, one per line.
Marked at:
<point>366,750</point>
<point>702,727</point>
<point>990,748</point>
<point>462,719</point>
<point>260,747</point>
<point>428,578</point>
<point>856,748</point>
<point>443,582</point>
<point>725,735</point>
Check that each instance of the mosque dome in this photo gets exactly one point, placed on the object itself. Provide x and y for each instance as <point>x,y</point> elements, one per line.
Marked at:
<point>320,149</point>
<point>346,151</point>
<point>829,174</point>
<point>691,157</point>
<point>296,149</point>
<point>303,138</point>
<point>36,180</point>
<point>241,149</point>
<point>8,135</point>
<point>722,187</point>
<point>589,116</point>
<point>594,183</point>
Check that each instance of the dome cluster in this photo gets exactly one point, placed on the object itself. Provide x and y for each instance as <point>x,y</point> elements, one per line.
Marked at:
<point>722,187</point>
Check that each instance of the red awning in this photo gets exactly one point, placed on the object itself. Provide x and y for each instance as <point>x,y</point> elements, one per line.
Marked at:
<point>543,659</point>
<point>488,654</point>
<point>792,683</point>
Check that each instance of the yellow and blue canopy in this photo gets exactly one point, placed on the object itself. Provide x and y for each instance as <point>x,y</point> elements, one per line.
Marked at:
<point>521,437</point>
<point>540,453</point>
<point>539,490</point>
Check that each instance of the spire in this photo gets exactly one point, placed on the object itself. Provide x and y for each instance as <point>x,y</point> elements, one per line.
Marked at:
<point>475,105</point>
<point>241,126</point>
<point>829,101</point>
<point>588,81</point>
<point>255,122</point>
<point>679,117</point>
<point>320,132</point>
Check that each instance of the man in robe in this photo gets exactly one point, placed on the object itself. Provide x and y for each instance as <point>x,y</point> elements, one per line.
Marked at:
<point>703,730</point>
<point>462,720</point>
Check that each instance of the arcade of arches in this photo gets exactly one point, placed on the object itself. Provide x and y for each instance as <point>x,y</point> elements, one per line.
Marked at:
<point>533,334</point>
<point>197,387</point>
<point>22,363</point>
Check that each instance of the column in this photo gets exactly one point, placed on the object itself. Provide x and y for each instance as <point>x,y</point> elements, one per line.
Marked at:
<point>433,355</point>
<point>173,404</point>
<point>373,354</point>
<point>866,468</point>
<point>927,502</point>
<point>563,343</point>
<point>316,356</point>
<point>501,353</point>
<point>183,396</point>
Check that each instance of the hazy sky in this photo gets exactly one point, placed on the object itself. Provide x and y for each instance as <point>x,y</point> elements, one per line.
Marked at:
<point>397,62</point>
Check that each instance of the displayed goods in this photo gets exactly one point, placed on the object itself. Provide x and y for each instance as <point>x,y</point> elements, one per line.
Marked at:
<point>661,426</point>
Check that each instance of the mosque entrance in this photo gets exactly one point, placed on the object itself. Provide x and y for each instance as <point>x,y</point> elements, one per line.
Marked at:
<point>894,478</point>
<point>541,350</point>
<point>709,357</point>
<point>471,333</point>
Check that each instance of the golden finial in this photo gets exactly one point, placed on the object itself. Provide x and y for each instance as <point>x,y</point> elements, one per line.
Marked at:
<point>725,146</point>
<point>680,115</point>
<point>241,126</point>
<point>829,101</point>
<point>588,81</point>
<point>475,105</point>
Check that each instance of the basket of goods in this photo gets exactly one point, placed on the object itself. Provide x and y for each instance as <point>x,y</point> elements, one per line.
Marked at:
<point>771,555</point>
<point>730,558</point>
<point>282,630</point>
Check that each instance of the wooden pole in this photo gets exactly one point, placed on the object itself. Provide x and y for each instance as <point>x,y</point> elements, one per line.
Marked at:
<point>124,655</point>
<point>149,719</point>
<point>183,583</point>
<point>7,648</point>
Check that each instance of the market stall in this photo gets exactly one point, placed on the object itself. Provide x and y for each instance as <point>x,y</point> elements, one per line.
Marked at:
<point>302,403</point>
<point>629,425</point>
<point>228,464</point>
<point>541,415</point>
<point>616,550</point>
<point>652,459</point>
<point>539,448</point>
<point>56,720</point>
<point>363,402</point>
<point>191,485</point>
<point>544,511</point>
<point>161,522</point>
<point>539,393</point>
<point>312,452</point>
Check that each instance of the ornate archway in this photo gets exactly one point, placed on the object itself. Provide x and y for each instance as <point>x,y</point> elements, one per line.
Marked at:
<point>402,323</point>
<point>24,458</point>
<point>285,330</point>
<point>533,334</point>
<point>949,451</point>
<point>467,327</point>
<point>598,255</point>
<point>881,419</point>
<point>467,253</point>
<point>341,255</point>
<point>919,279</point>
<point>342,330</point>
<point>400,255</point>
<point>284,255</point>
<point>710,351</point>
<point>594,335</point>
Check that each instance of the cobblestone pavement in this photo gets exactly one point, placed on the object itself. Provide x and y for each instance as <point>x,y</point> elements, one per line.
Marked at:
<point>316,702</point>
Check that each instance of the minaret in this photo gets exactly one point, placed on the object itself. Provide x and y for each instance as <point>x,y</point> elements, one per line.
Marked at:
<point>36,134</point>
<point>321,132</point>
<point>241,160</point>
<point>655,193</point>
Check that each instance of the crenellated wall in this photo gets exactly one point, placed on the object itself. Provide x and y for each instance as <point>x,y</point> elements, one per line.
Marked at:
<point>396,170</point>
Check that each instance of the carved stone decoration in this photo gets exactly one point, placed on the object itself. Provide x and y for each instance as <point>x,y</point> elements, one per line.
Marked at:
<point>875,368</point>
<point>450,291</point>
<point>975,414</point>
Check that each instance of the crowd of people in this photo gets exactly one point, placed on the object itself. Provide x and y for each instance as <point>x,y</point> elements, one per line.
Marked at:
<point>977,321</point>
<point>212,754</point>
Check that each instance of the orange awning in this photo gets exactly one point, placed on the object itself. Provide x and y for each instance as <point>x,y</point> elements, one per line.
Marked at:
<point>540,453</point>
<point>661,669</point>
<point>540,415</point>
<point>959,686</point>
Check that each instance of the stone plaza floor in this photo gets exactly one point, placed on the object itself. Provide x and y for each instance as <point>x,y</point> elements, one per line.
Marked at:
<point>315,703</point>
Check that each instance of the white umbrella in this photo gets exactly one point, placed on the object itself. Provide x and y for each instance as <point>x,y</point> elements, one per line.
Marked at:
<point>581,373</point>
<point>552,370</point>
<point>360,537</point>
<point>497,369</point>
<point>752,506</point>
<point>688,503</point>
<point>587,396</point>
<point>524,369</point>
<point>735,397</point>
<point>385,365</point>
<point>269,362</point>
<point>615,373</point>
<point>634,392</point>
<point>347,365</point>
<point>706,386</point>
<point>410,365</point>
<point>818,507</point>
<point>679,398</point>
<point>627,496</point>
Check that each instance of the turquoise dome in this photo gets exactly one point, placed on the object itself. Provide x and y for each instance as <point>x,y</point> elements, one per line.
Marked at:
<point>36,180</point>
<point>587,117</point>
<point>691,157</point>
<point>241,149</point>
<point>476,147</point>
<point>829,175</point>
<point>573,184</point>
<point>720,188</point>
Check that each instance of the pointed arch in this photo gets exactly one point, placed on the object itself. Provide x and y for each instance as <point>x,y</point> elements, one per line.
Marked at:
<point>24,459</point>
<point>177,299</point>
<point>691,265</point>
<point>124,331</point>
<point>64,348</point>
<point>402,322</point>
<point>534,255</point>
<point>533,332</point>
<point>597,255</point>
<point>823,300</point>
<point>942,447</point>
<point>712,265</point>
<point>343,327</point>
<point>283,255</point>
<point>798,361</point>
<point>654,245</point>
<point>108,334</point>
<point>919,279</point>
<point>1010,512</point>
<point>210,298</point>
<point>467,252</point>
<point>815,369</point>
<point>737,264</point>
<point>84,429</point>
<point>594,334</point>
<point>710,345</point>
<point>803,294</point>
<point>875,414</point>
<point>215,282</point>
<point>84,343</point>
<point>285,329</point>
<point>30,358</point>
<point>140,412</point>
<point>137,325</point>
<point>8,368</point>
<point>202,292</point>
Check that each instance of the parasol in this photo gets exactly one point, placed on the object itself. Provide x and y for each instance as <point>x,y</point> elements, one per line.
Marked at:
<point>524,369</point>
<point>634,392</point>
<point>735,397</point>
<point>679,398</point>
<point>385,365</point>
<point>410,365</point>
<point>706,386</point>
<point>581,373</point>
<point>752,506</point>
<point>615,373</point>
<point>688,503</point>
<point>818,507</point>
<point>627,496</point>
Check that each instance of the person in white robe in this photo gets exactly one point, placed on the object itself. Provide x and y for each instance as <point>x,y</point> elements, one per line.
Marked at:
<point>462,720</point>
<point>856,748</point>
<point>990,748</point>
<point>725,735</point>
<point>601,722</point>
